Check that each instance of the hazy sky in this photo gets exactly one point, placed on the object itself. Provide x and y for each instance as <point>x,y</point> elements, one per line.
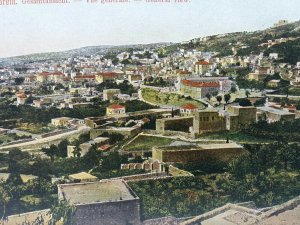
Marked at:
<point>39,28</point>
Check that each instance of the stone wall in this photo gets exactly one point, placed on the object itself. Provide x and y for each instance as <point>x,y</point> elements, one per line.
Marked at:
<point>246,115</point>
<point>168,133</point>
<point>126,132</point>
<point>47,141</point>
<point>108,213</point>
<point>181,124</point>
<point>164,220</point>
<point>28,218</point>
<point>147,166</point>
<point>186,156</point>
<point>175,172</point>
<point>145,176</point>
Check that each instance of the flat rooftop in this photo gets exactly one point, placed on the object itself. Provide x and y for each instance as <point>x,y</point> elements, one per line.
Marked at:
<point>288,217</point>
<point>82,176</point>
<point>274,111</point>
<point>287,213</point>
<point>96,192</point>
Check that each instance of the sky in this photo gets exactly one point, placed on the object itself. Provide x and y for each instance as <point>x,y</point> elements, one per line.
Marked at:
<point>29,29</point>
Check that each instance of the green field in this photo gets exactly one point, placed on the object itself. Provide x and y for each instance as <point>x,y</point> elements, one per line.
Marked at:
<point>35,128</point>
<point>168,99</point>
<point>5,138</point>
<point>294,91</point>
<point>237,136</point>
<point>146,143</point>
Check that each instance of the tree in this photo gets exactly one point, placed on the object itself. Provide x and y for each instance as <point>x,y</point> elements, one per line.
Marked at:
<point>286,91</point>
<point>247,93</point>
<point>59,86</point>
<point>93,156</point>
<point>63,148</point>
<point>227,97</point>
<point>284,102</point>
<point>19,80</point>
<point>219,99</point>
<point>233,89</point>
<point>5,197</point>
<point>77,151</point>
<point>245,102</point>
<point>14,157</point>
<point>51,152</point>
<point>113,138</point>
<point>62,213</point>
<point>208,96</point>
<point>260,102</point>
<point>113,161</point>
<point>115,61</point>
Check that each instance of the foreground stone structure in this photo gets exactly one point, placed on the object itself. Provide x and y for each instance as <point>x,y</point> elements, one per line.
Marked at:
<point>197,154</point>
<point>102,203</point>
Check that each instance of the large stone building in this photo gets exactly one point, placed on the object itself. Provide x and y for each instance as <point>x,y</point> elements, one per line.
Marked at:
<point>197,154</point>
<point>208,121</point>
<point>241,116</point>
<point>198,89</point>
<point>201,86</point>
<point>202,67</point>
<point>261,73</point>
<point>102,203</point>
<point>107,76</point>
<point>56,77</point>
<point>273,115</point>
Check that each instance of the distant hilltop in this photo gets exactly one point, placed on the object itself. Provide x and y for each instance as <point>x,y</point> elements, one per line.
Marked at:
<point>242,43</point>
<point>281,23</point>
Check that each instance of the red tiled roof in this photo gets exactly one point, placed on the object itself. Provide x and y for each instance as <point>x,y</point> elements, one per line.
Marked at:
<point>49,74</point>
<point>85,77</point>
<point>57,74</point>
<point>21,95</point>
<point>104,147</point>
<point>203,63</point>
<point>116,106</point>
<point>199,84</point>
<point>109,74</point>
<point>184,72</point>
<point>189,106</point>
<point>44,73</point>
<point>145,120</point>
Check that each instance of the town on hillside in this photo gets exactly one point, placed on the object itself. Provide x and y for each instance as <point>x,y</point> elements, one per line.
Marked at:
<point>204,132</point>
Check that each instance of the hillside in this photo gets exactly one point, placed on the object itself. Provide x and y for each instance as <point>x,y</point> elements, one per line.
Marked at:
<point>248,42</point>
<point>84,51</point>
<point>245,43</point>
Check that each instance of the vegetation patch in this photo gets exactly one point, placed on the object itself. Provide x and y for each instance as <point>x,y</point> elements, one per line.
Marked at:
<point>169,99</point>
<point>35,128</point>
<point>238,136</point>
<point>146,143</point>
<point>268,175</point>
